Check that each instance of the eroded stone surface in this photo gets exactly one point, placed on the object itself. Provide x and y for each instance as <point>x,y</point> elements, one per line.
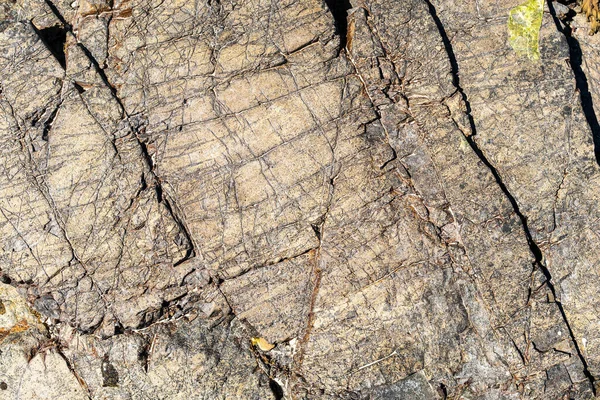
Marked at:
<point>394,199</point>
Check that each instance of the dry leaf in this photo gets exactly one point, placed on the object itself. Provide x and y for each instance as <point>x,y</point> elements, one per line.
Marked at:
<point>592,12</point>
<point>262,343</point>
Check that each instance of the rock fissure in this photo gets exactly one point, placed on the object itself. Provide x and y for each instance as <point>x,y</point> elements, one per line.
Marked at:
<point>54,38</point>
<point>191,252</point>
<point>99,70</point>
<point>49,121</point>
<point>295,199</point>
<point>581,80</point>
<point>533,246</point>
<point>73,371</point>
<point>339,9</point>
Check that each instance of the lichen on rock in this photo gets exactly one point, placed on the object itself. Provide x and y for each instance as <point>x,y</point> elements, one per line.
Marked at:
<point>524,23</point>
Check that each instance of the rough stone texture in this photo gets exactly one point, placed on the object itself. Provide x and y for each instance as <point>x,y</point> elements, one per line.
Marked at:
<point>381,189</point>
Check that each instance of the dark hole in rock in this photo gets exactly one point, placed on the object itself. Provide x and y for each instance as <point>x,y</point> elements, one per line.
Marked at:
<point>54,38</point>
<point>276,389</point>
<point>79,88</point>
<point>317,230</point>
<point>339,10</point>
<point>119,329</point>
<point>3,385</point>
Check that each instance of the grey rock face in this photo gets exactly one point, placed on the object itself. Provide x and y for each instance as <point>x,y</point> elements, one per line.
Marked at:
<point>365,199</point>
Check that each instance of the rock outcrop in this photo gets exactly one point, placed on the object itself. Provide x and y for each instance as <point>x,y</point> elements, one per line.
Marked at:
<point>299,199</point>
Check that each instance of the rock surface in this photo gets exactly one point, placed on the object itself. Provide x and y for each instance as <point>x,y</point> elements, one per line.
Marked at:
<point>251,199</point>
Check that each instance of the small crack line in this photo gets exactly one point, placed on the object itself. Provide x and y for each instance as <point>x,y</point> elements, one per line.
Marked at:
<point>317,275</point>
<point>316,285</point>
<point>71,368</point>
<point>269,264</point>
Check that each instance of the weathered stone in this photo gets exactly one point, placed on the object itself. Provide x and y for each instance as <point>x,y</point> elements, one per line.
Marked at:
<point>381,191</point>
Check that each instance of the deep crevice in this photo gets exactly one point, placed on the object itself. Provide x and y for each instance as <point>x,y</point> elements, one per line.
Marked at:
<point>534,248</point>
<point>453,64</point>
<point>49,121</point>
<point>576,60</point>
<point>119,329</point>
<point>54,38</point>
<point>78,87</point>
<point>443,391</point>
<point>339,11</point>
<point>317,230</point>
<point>144,355</point>
<point>581,81</point>
<point>276,389</point>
